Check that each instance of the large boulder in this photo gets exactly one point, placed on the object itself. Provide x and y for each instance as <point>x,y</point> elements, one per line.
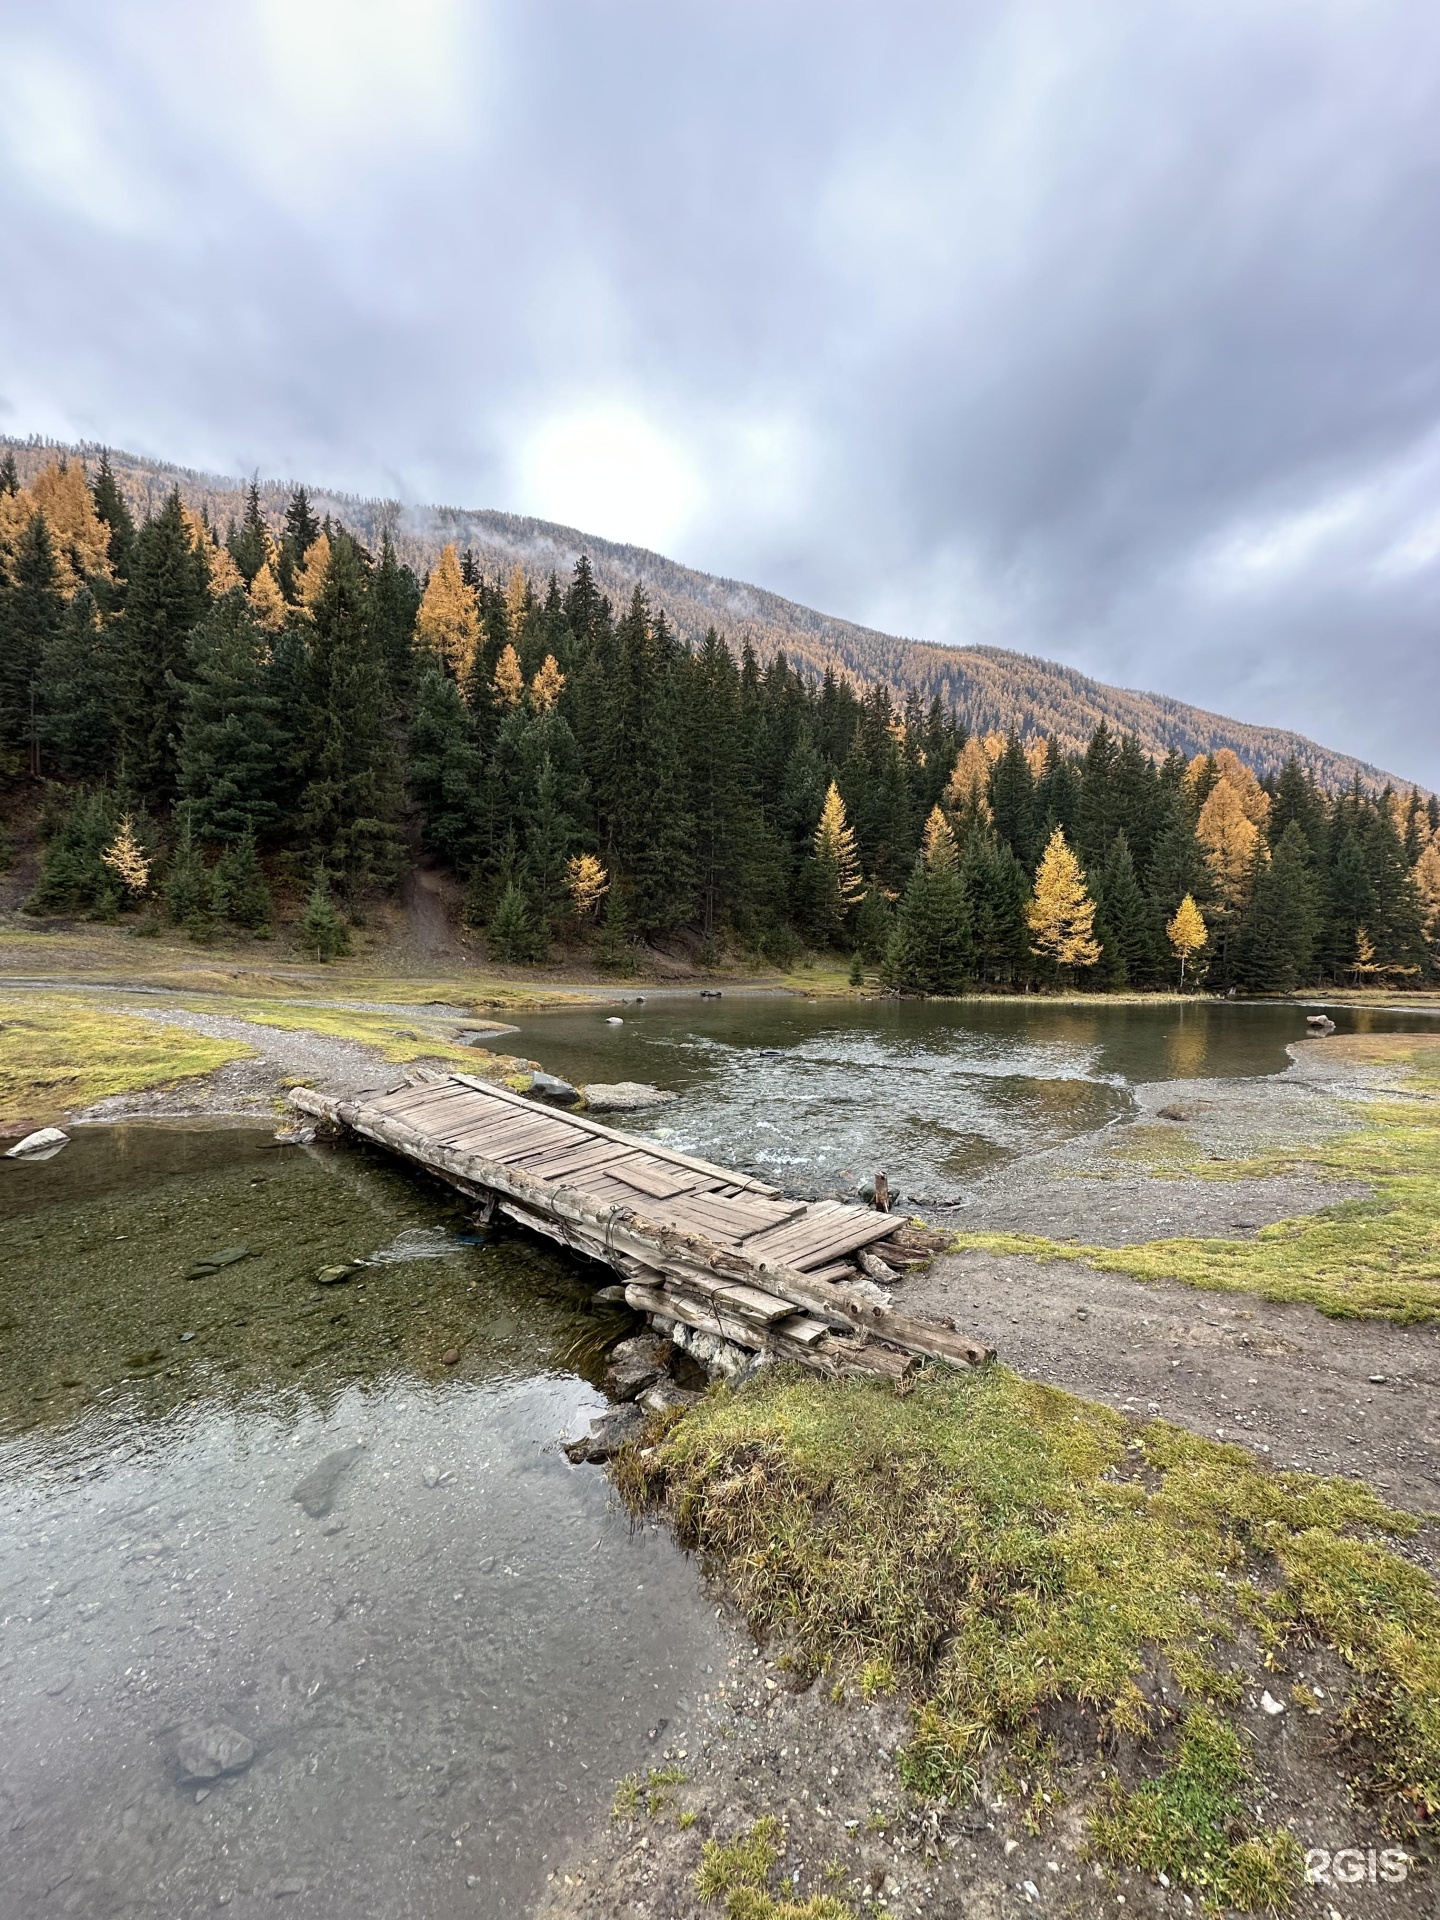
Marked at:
<point>624,1096</point>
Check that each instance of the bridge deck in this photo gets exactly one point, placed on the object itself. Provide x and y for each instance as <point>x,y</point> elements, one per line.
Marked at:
<point>699,1246</point>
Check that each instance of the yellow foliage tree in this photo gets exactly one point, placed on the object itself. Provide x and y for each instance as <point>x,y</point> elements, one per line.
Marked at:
<point>1427,883</point>
<point>1062,914</point>
<point>1364,966</point>
<point>517,601</point>
<point>969,784</point>
<point>82,540</point>
<point>509,681</point>
<point>1186,932</point>
<point>1254,800</point>
<point>1229,838</point>
<point>79,536</point>
<point>587,884</point>
<point>310,583</point>
<point>1036,757</point>
<point>267,602</point>
<point>126,860</point>
<point>448,623</point>
<point>835,850</point>
<point>546,687</point>
<point>938,845</point>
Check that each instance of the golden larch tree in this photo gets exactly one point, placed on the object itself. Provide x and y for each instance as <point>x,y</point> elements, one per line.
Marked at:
<point>517,601</point>
<point>1186,933</point>
<point>835,849</point>
<point>509,681</point>
<point>310,582</point>
<point>969,785</point>
<point>267,602</point>
<point>587,884</point>
<point>1427,885</point>
<point>79,536</point>
<point>546,687</point>
<point>1229,838</point>
<point>1254,800</point>
<point>126,859</point>
<point>938,845</point>
<point>448,623</point>
<point>1062,914</point>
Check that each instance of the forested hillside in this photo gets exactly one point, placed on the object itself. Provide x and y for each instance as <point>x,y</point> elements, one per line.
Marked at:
<point>990,689</point>
<point>212,716</point>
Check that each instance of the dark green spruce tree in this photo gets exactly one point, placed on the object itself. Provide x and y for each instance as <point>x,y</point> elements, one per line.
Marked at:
<point>350,804</point>
<point>1275,944</point>
<point>167,596</point>
<point>233,743</point>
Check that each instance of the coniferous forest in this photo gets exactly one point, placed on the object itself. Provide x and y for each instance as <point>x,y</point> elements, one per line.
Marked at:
<point>213,721</point>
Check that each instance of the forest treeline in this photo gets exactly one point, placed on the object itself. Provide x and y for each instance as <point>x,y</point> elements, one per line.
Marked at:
<point>214,716</point>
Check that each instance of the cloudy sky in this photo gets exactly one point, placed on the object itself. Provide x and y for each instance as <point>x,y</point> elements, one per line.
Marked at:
<point>1103,329</point>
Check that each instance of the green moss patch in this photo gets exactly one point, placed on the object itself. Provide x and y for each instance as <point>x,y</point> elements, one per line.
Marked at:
<point>59,1055</point>
<point>1034,1574</point>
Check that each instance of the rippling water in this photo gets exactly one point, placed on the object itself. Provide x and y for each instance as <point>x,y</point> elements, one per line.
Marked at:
<point>818,1095</point>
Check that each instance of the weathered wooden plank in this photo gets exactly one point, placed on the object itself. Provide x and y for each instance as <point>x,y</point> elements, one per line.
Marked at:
<point>652,1177</point>
<point>803,1327</point>
<point>821,1243</point>
<point>560,1163</point>
<point>839,1270</point>
<point>584,1124</point>
<point>751,1303</point>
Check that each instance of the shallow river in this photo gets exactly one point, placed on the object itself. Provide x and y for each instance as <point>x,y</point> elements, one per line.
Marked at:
<point>450,1645</point>
<point>817,1096</point>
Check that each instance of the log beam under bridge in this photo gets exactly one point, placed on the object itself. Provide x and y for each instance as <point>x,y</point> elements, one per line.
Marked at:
<point>695,1244</point>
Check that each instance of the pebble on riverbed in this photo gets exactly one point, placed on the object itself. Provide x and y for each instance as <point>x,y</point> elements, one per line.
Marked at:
<point>205,1753</point>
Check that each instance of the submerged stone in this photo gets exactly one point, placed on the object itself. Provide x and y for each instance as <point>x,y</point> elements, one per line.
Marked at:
<point>205,1753</point>
<point>316,1492</point>
<point>606,1436</point>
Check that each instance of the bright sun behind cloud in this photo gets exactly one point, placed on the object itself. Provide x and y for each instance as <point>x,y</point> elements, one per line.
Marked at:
<point>608,471</point>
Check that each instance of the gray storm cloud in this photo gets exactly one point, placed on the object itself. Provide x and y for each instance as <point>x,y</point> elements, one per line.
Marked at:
<point>1104,330</point>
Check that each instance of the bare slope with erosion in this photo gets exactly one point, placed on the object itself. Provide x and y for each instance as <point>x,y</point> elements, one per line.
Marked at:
<point>992,688</point>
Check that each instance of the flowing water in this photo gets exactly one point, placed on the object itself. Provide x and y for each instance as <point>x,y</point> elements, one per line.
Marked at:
<point>233,1497</point>
<point>816,1096</point>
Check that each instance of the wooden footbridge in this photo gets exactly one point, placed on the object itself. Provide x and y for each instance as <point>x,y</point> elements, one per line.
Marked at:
<point>694,1243</point>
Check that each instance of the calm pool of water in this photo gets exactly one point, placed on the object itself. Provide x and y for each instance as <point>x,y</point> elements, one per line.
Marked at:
<point>444,1660</point>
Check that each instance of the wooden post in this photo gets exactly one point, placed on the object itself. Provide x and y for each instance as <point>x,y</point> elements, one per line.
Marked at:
<point>882,1193</point>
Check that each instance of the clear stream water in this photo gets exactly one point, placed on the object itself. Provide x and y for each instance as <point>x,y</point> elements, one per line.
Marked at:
<point>451,1647</point>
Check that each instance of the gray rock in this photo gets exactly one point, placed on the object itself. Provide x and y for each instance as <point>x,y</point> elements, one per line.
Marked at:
<point>606,1436</point>
<point>39,1146</point>
<point>665,1394</point>
<point>635,1364</point>
<point>213,1262</point>
<point>316,1492</point>
<point>624,1096</point>
<point>334,1276</point>
<point>549,1086</point>
<point>205,1753</point>
<point>611,1297</point>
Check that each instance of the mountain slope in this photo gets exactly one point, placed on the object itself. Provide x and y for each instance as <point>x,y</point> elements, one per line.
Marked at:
<point>991,688</point>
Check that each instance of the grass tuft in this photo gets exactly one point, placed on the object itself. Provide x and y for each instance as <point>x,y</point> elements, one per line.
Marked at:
<point>1180,1824</point>
<point>736,1873</point>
